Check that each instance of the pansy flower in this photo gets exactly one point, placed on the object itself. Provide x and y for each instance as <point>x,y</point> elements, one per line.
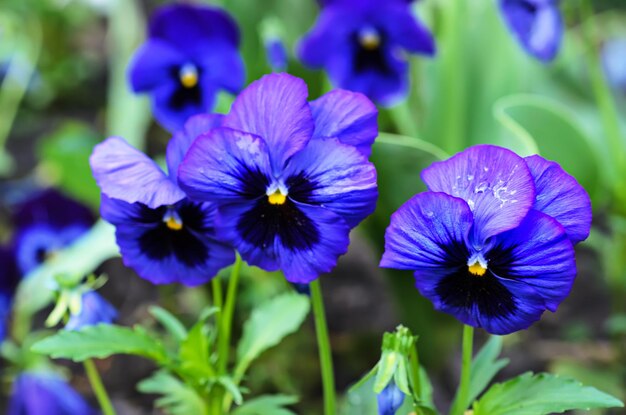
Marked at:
<point>536,24</point>
<point>276,54</point>
<point>45,223</point>
<point>190,55</point>
<point>45,394</point>
<point>390,399</point>
<point>362,45</point>
<point>491,242</point>
<point>162,235</point>
<point>289,177</point>
<point>94,309</point>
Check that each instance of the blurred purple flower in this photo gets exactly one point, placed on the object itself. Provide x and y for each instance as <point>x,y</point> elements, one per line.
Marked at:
<point>390,399</point>
<point>94,310</point>
<point>276,54</point>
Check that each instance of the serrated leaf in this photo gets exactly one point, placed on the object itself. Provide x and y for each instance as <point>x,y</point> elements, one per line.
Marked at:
<point>194,353</point>
<point>541,394</point>
<point>177,398</point>
<point>169,322</point>
<point>264,405</point>
<point>100,341</point>
<point>268,325</point>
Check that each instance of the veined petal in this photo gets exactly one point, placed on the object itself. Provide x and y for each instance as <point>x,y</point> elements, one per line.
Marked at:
<point>182,139</point>
<point>428,233</point>
<point>539,254</point>
<point>125,173</point>
<point>348,116</point>
<point>495,183</point>
<point>226,165</point>
<point>275,108</point>
<point>560,196</point>
<point>152,65</point>
<point>334,175</point>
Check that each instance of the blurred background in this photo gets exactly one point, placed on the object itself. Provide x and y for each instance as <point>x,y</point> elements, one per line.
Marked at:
<point>63,89</point>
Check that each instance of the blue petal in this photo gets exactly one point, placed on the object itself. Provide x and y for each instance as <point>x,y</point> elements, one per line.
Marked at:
<point>94,310</point>
<point>276,54</point>
<point>334,175</point>
<point>429,233</point>
<point>390,399</point>
<point>190,256</point>
<point>225,165</point>
<point>152,65</point>
<point>559,195</point>
<point>124,173</point>
<point>182,140</point>
<point>222,65</point>
<point>328,37</point>
<point>536,24</point>
<point>539,254</point>
<point>303,242</point>
<point>348,116</point>
<point>276,109</point>
<point>53,209</point>
<point>404,29</point>
<point>494,181</point>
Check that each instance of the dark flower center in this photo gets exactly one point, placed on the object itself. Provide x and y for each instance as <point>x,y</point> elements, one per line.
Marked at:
<point>369,52</point>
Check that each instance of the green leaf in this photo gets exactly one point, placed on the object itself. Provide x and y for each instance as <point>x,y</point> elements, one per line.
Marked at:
<point>194,352</point>
<point>541,394</point>
<point>268,325</point>
<point>177,399</point>
<point>263,405</point>
<point>169,322</point>
<point>485,367</point>
<point>231,387</point>
<point>100,341</point>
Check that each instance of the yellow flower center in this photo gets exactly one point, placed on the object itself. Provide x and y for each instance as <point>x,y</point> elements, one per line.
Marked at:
<point>277,198</point>
<point>188,76</point>
<point>477,269</point>
<point>173,221</point>
<point>369,38</point>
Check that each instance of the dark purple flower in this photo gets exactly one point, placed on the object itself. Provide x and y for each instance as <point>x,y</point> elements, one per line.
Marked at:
<point>276,54</point>
<point>46,223</point>
<point>94,310</point>
<point>491,242</point>
<point>390,399</point>
<point>162,235</point>
<point>9,278</point>
<point>289,177</point>
<point>536,24</point>
<point>362,44</point>
<point>613,53</point>
<point>45,394</point>
<point>190,55</point>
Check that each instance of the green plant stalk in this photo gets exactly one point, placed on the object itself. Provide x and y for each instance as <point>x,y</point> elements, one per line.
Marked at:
<point>216,289</point>
<point>605,102</point>
<point>415,372</point>
<point>323,343</point>
<point>98,388</point>
<point>458,408</point>
<point>226,317</point>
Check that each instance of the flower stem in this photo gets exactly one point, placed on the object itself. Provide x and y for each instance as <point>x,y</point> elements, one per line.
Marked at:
<point>460,403</point>
<point>226,317</point>
<point>98,387</point>
<point>323,343</point>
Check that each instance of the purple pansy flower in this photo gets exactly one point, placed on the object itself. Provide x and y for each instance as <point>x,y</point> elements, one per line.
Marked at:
<point>94,309</point>
<point>536,24</point>
<point>276,54</point>
<point>290,177</point>
<point>162,235</point>
<point>491,242</point>
<point>45,394</point>
<point>190,55</point>
<point>390,399</point>
<point>362,44</point>
<point>46,223</point>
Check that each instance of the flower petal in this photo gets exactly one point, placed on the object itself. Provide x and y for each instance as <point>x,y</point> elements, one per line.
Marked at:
<point>301,240</point>
<point>559,195</point>
<point>494,181</point>
<point>152,65</point>
<point>182,139</point>
<point>276,109</point>
<point>329,35</point>
<point>225,165</point>
<point>190,256</point>
<point>334,175</point>
<point>125,173</point>
<point>539,254</point>
<point>405,30</point>
<point>348,116</point>
<point>428,233</point>
<point>94,310</point>
<point>222,64</point>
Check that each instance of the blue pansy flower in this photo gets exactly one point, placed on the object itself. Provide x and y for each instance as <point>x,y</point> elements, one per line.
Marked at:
<point>390,399</point>
<point>190,55</point>
<point>276,54</point>
<point>46,223</point>
<point>362,44</point>
<point>45,394</point>
<point>614,64</point>
<point>536,24</point>
<point>164,236</point>
<point>94,309</point>
<point>290,178</point>
<point>491,242</point>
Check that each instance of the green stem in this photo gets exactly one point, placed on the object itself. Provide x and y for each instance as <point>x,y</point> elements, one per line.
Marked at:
<point>226,317</point>
<point>98,387</point>
<point>460,404</point>
<point>216,288</point>
<point>415,373</point>
<point>323,343</point>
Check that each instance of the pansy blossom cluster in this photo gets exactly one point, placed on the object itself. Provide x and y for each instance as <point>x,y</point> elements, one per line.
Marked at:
<point>492,240</point>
